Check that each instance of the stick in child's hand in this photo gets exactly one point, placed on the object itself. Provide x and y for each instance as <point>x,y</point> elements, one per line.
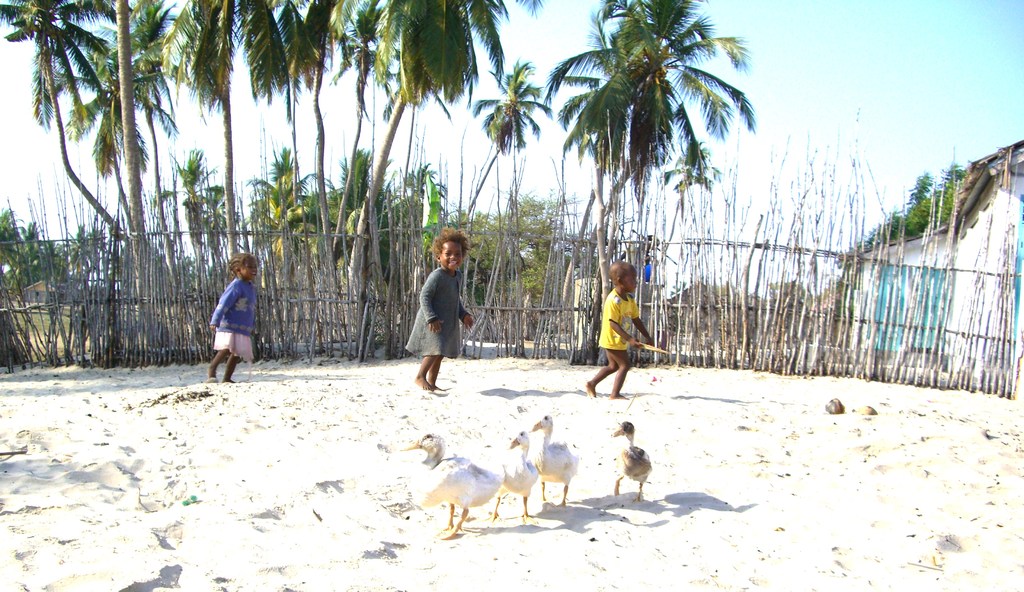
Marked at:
<point>653,348</point>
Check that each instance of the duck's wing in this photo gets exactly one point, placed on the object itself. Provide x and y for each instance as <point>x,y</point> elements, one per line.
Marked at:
<point>635,463</point>
<point>558,463</point>
<point>443,483</point>
<point>480,485</point>
<point>520,476</point>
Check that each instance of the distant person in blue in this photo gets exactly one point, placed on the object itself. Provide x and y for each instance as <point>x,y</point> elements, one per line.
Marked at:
<point>435,333</point>
<point>234,318</point>
<point>648,269</point>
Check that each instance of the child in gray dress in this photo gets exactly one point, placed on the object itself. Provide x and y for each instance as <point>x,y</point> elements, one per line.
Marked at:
<point>435,333</point>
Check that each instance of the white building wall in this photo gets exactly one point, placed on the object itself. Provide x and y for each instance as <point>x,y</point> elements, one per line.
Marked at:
<point>987,242</point>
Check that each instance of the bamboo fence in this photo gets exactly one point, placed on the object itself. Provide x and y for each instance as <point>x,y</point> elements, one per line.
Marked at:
<point>787,292</point>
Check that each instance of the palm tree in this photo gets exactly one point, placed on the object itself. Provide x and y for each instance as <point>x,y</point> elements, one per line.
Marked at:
<point>511,116</point>
<point>9,233</point>
<point>279,203</point>
<point>302,60</point>
<point>151,21</point>
<point>666,43</point>
<point>201,199</point>
<point>102,115</point>
<point>57,28</point>
<point>637,82</point>
<point>359,51</point>
<point>309,44</point>
<point>432,45</point>
<point>199,53</point>
<point>355,174</point>
<point>597,117</point>
<point>694,169</point>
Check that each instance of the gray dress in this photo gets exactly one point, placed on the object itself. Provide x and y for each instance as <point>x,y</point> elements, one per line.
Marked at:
<point>439,299</point>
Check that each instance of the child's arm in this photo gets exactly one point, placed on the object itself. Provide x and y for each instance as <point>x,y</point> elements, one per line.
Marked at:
<point>427,304</point>
<point>643,330</point>
<point>467,319</point>
<point>629,338</point>
<point>227,300</point>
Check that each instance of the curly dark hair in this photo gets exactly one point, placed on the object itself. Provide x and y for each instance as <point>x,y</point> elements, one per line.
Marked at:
<point>238,260</point>
<point>450,235</point>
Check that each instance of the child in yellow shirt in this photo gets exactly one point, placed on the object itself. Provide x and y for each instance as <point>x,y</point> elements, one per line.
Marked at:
<point>620,309</point>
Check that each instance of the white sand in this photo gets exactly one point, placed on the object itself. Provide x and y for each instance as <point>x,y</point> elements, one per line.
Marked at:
<point>301,485</point>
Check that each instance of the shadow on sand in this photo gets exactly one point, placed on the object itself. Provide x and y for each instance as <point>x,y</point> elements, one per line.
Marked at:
<point>513,394</point>
<point>578,517</point>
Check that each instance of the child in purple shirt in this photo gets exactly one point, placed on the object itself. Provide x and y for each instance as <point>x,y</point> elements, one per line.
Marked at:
<point>234,318</point>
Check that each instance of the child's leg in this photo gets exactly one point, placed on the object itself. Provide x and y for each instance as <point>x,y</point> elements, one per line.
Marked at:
<point>613,365</point>
<point>229,369</point>
<point>425,366</point>
<point>219,357</point>
<point>433,370</point>
<point>622,364</point>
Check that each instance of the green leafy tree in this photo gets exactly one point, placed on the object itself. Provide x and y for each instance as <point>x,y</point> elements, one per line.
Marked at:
<point>281,203</point>
<point>201,201</point>
<point>9,235</point>
<point>929,205</point>
<point>537,218</point>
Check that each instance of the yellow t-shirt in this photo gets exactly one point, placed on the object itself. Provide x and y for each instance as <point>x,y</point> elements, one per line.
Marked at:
<point>622,311</point>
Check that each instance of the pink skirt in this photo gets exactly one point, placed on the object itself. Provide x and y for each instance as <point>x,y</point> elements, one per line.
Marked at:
<point>237,344</point>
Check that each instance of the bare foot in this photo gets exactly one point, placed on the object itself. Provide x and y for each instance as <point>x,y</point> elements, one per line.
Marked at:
<point>228,381</point>
<point>211,380</point>
<point>434,387</point>
<point>423,384</point>
<point>591,392</point>
<point>617,397</point>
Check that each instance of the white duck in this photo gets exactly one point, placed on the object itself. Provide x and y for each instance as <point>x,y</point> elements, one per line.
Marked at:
<point>454,480</point>
<point>633,462</point>
<point>520,475</point>
<point>555,462</point>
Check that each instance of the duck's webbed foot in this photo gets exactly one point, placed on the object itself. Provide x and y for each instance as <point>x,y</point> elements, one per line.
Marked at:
<point>447,535</point>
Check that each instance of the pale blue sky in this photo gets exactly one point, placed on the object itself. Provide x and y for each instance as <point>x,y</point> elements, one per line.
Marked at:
<point>906,86</point>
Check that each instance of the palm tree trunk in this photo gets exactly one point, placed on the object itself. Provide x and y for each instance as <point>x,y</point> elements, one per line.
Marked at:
<point>292,100</point>
<point>348,182</point>
<point>51,89</point>
<point>600,227</point>
<point>129,132</point>
<point>122,197</point>
<point>358,266</point>
<point>158,197</point>
<point>229,173</point>
<point>321,184</point>
<point>480,186</point>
